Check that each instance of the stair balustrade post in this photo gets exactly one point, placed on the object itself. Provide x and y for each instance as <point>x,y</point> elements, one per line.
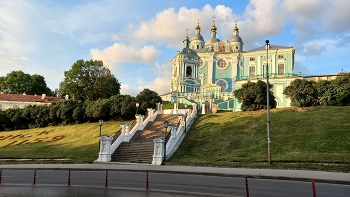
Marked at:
<point>203,108</point>
<point>159,109</point>
<point>172,130</point>
<point>141,120</point>
<point>150,112</point>
<point>105,148</point>
<point>127,130</point>
<point>158,151</point>
<point>122,125</point>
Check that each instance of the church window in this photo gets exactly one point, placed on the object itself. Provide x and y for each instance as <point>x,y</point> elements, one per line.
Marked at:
<point>280,69</point>
<point>252,59</point>
<point>222,47</point>
<point>197,46</point>
<point>175,71</point>
<point>200,62</point>
<point>188,71</point>
<point>251,71</point>
<point>223,84</point>
<point>280,56</point>
<point>221,63</point>
<point>15,106</point>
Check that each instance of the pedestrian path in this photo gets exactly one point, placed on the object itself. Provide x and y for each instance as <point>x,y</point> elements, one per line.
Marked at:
<point>301,175</point>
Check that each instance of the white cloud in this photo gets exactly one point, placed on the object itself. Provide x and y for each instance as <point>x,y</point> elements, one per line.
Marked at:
<point>313,49</point>
<point>120,52</point>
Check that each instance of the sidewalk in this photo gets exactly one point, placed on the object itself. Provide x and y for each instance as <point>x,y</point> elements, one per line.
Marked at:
<point>300,175</point>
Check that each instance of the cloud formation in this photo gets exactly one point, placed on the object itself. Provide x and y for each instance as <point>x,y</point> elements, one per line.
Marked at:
<point>120,52</point>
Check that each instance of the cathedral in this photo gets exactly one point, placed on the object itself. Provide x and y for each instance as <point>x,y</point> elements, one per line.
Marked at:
<point>207,72</point>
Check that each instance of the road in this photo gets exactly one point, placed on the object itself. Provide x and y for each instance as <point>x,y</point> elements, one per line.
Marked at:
<point>121,183</point>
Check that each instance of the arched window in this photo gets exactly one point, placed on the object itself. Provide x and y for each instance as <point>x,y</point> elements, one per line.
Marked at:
<point>221,63</point>
<point>188,71</point>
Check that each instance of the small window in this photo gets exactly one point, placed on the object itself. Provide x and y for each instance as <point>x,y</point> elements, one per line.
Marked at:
<point>251,71</point>
<point>0,106</point>
<point>280,69</point>
<point>15,106</point>
<point>252,59</point>
<point>280,56</point>
<point>221,63</point>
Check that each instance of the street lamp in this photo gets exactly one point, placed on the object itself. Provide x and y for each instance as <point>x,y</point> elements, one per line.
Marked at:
<point>100,122</point>
<point>166,124</point>
<point>268,104</point>
<point>137,106</point>
<point>185,116</point>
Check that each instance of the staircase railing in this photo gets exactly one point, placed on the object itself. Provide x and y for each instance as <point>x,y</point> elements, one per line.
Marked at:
<point>117,134</point>
<point>133,125</point>
<point>145,116</point>
<point>167,137</point>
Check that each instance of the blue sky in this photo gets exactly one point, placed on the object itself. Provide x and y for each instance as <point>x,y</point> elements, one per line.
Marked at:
<point>137,39</point>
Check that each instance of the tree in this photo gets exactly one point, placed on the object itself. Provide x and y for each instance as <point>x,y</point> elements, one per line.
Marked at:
<point>18,82</point>
<point>89,80</point>
<point>253,96</point>
<point>122,107</point>
<point>147,99</point>
<point>302,93</point>
<point>339,91</point>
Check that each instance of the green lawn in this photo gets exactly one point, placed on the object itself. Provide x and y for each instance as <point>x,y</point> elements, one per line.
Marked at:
<point>312,138</point>
<point>76,143</point>
<point>309,138</point>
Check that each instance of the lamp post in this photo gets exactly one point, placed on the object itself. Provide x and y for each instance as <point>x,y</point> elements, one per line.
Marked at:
<point>185,116</point>
<point>137,106</point>
<point>100,122</point>
<point>166,124</point>
<point>268,104</point>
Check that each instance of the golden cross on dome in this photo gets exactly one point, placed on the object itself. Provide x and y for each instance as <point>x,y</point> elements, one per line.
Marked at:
<point>236,22</point>
<point>187,32</point>
<point>198,21</point>
<point>214,19</point>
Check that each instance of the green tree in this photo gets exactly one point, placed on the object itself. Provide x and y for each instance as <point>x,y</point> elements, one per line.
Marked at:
<point>18,82</point>
<point>253,96</point>
<point>39,86</point>
<point>302,93</point>
<point>122,107</point>
<point>147,99</point>
<point>89,80</point>
<point>339,91</point>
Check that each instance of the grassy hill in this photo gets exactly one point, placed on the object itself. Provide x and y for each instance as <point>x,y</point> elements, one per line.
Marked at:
<point>72,143</point>
<point>312,138</point>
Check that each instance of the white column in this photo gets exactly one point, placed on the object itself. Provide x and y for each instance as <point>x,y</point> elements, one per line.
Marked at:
<point>127,130</point>
<point>122,125</point>
<point>158,151</point>
<point>150,112</point>
<point>105,149</point>
<point>203,108</point>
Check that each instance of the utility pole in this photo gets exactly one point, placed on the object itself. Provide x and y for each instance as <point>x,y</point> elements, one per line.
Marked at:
<point>268,103</point>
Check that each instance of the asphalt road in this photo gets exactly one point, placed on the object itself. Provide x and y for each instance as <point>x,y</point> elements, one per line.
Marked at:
<point>92,183</point>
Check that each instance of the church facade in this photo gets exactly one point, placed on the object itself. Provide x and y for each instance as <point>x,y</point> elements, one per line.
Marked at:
<point>207,72</point>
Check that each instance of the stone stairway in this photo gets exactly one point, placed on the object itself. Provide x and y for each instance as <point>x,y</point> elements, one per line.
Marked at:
<point>140,148</point>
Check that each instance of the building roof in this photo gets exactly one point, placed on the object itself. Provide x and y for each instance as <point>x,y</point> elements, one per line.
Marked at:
<point>188,52</point>
<point>272,47</point>
<point>211,40</point>
<point>197,37</point>
<point>29,98</point>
